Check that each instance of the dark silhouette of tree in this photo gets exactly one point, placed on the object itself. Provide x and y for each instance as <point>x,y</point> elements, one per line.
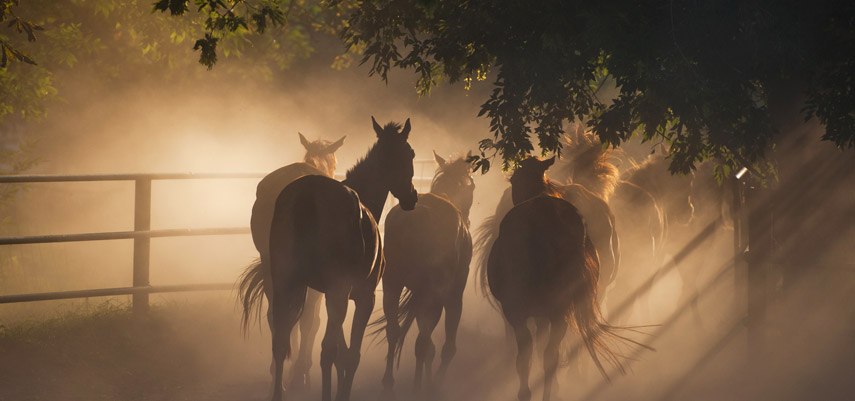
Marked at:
<point>706,77</point>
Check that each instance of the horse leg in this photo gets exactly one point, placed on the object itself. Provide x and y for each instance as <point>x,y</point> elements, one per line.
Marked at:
<point>364,301</point>
<point>285,307</point>
<point>336,302</point>
<point>427,317</point>
<point>541,326</point>
<point>523,336</point>
<point>391,296</point>
<point>453,310</point>
<point>309,325</point>
<point>558,327</point>
<point>267,287</point>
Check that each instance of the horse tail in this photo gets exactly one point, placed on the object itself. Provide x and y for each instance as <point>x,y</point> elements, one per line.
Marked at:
<point>251,292</point>
<point>485,237</point>
<point>598,336</point>
<point>660,230</point>
<point>406,316</point>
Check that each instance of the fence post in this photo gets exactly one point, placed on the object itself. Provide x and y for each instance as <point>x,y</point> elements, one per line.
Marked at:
<point>142,245</point>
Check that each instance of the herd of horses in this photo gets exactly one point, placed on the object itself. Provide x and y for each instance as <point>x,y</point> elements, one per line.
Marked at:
<point>553,252</point>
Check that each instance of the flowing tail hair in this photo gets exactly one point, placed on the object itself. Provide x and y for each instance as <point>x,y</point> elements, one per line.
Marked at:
<point>405,318</point>
<point>251,293</point>
<point>584,314</point>
<point>485,237</point>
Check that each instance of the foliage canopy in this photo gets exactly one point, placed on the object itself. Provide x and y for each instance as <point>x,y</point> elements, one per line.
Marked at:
<point>702,76</point>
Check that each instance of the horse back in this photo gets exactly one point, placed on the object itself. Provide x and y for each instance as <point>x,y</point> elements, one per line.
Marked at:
<point>266,192</point>
<point>428,246</point>
<point>333,238</point>
<point>540,256</point>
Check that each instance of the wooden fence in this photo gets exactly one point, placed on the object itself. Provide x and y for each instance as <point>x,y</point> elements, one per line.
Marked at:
<point>142,234</point>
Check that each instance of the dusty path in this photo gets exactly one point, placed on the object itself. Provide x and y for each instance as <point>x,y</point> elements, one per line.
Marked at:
<point>193,350</point>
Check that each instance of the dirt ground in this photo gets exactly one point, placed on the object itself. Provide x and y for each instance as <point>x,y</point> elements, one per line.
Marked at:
<point>192,349</point>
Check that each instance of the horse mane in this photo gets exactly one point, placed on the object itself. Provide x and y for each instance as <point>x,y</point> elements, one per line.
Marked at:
<point>644,174</point>
<point>389,129</point>
<point>588,163</point>
<point>361,164</point>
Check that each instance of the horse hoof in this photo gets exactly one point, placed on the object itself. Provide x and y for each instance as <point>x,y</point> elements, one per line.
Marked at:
<point>299,384</point>
<point>524,395</point>
<point>387,394</point>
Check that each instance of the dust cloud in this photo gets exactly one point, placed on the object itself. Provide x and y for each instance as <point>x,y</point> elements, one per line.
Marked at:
<point>703,347</point>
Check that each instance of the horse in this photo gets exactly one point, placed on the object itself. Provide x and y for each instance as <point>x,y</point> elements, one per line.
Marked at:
<point>428,251</point>
<point>324,236</point>
<point>544,265</point>
<point>588,164</point>
<point>255,282</point>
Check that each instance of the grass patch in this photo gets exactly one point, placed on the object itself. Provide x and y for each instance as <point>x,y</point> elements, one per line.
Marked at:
<point>105,352</point>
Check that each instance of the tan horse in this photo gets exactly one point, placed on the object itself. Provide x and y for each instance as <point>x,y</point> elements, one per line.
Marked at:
<point>428,252</point>
<point>255,282</point>
<point>324,236</point>
<point>543,265</point>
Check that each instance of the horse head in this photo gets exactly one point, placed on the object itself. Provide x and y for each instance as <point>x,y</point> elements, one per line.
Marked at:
<point>321,153</point>
<point>674,192</point>
<point>453,181</point>
<point>396,161</point>
<point>529,179</point>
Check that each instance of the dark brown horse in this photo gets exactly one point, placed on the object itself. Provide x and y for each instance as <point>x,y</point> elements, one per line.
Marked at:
<point>592,168</point>
<point>255,282</point>
<point>324,236</point>
<point>428,252</point>
<point>543,265</point>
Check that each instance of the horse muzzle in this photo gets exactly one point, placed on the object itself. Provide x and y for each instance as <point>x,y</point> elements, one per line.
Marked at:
<point>408,200</point>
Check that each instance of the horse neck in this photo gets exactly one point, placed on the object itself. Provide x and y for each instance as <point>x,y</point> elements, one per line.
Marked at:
<point>524,191</point>
<point>648,175</point>
<point>364,178</point>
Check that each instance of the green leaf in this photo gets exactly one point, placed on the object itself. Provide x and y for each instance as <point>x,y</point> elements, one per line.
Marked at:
<point>208,48</point>
<point>175,7</point>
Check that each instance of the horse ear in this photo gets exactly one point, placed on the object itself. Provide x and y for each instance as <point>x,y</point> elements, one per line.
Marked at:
<point>548,162</point>
<point>406,131</point>
<point>303,140</point>
<point>439,160</point>
<point>377,127</point>
<point>468,155</point>
<point>335,145</point>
